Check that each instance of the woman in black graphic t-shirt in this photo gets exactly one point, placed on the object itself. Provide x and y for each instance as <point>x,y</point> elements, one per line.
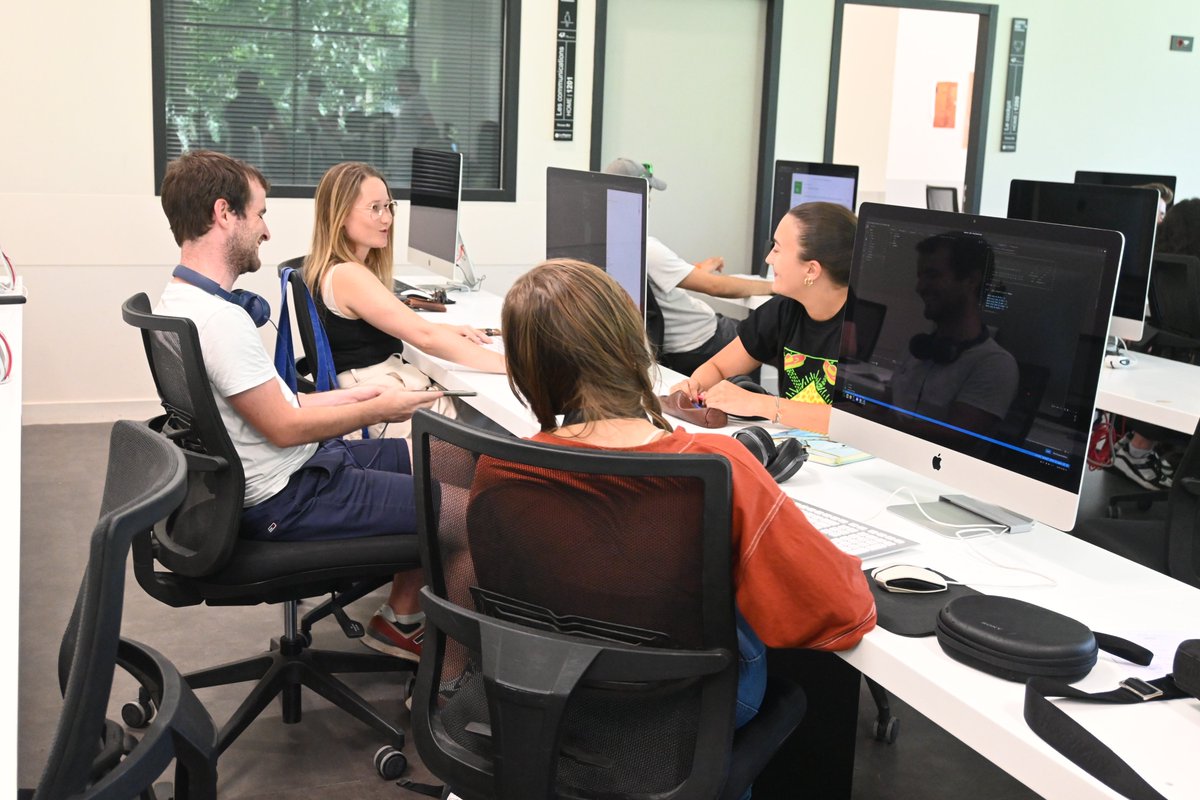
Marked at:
<point>799,331</point>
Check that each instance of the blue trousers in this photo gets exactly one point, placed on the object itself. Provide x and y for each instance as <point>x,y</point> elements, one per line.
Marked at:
<point>347,490</point>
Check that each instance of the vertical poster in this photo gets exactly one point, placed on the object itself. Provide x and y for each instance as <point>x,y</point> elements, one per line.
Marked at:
<point>1012,88</point>
<point>945,104</point>
<point>564,72</point>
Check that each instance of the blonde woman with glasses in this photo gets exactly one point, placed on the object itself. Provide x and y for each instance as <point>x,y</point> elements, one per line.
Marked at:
<point>349,273</point>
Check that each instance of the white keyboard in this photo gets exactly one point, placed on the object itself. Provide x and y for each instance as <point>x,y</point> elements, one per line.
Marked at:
<point>853,537</point>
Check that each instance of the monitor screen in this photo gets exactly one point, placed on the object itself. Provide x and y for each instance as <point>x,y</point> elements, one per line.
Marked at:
<point>984,372</point>
<point>433,212</point>
<point>1133,212</point>
<point>799,182</point>
<point>1123,179</point>
<point>600,219</point>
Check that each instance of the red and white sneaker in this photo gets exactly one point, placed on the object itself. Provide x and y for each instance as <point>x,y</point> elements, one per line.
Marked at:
<point>387,635</point>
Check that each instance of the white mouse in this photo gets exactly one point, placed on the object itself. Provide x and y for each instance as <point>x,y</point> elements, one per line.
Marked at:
<point>905,578</point>
<point>420,294</point>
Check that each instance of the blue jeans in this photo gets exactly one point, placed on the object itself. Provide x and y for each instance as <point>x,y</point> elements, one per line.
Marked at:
<point>752,672</point>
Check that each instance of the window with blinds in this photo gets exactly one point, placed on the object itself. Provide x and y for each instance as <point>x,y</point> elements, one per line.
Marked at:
<point>295,86</point>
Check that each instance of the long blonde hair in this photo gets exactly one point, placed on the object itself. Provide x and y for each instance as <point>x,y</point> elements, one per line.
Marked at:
<point>575,342</point>
<point>336,195</point>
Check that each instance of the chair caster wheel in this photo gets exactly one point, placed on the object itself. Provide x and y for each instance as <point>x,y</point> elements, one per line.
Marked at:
<point>390,763</point>
<point>886,732</point>
<point>137,714</point>
<point>306,637</point>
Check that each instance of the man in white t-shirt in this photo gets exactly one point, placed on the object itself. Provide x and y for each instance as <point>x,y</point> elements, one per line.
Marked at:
<point>302,481</point>
<point>694,333</point>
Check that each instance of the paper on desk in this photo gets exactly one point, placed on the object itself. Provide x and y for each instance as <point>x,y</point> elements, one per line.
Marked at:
<point>1162,643</point>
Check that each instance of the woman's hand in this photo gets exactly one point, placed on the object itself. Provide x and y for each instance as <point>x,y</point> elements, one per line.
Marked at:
<point>473,335</point>
<point>690,387</point>
<point>736,400</point>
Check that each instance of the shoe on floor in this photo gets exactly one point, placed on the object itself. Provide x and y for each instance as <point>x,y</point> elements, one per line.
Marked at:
<point>387,635</point>
<point>1146,471</point>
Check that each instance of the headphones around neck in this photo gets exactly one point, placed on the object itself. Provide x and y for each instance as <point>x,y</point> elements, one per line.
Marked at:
<point>254,305</point>
<point>939,349</point>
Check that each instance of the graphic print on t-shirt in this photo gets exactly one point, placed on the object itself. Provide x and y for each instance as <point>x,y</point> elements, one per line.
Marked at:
<point>808,379</point>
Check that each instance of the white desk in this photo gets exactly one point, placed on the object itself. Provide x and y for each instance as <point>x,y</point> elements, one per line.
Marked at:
<point>1155,390</point>
<point>12,306</point>
<point>1103,591</point>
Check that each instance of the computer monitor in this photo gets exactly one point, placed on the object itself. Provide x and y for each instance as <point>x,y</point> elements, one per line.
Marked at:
<point>601,219</point>
<point>434,241</point>
<point>984,374</point>
<point>799,182</point>
<point>1123,179</point>
<point>1133,212</point>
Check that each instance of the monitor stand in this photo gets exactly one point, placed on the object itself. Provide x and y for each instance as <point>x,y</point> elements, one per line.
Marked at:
<point>471,282</point>
<point>960,509</point>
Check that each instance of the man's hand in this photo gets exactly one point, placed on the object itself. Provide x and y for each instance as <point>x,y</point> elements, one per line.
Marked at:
<point>710,265</point>
<point>689,386</point>
<point>736,400</point>
<point>400,404</point>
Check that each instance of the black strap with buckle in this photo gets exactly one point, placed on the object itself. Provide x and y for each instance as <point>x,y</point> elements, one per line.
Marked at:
<point>1082,748</point>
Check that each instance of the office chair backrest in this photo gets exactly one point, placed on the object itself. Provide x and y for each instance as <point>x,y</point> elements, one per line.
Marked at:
<point>941,198</point>
<point>1175,294</point>
<point>1183,516</point>
<point>200,536</point>
<point>602,546</point>
<point>146,480</point>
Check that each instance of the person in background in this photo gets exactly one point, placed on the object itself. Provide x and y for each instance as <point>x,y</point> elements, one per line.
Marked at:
<point>799,331</point>
<point>1136,455</point>
<point>349,273</point>
<point>577,350</point>
<point>303,482</point>
<point>694,333</point>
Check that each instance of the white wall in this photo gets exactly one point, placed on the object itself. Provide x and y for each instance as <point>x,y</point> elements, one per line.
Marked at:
<point>79,216</point>
<point>1101,91</point>
<point>682,90</point>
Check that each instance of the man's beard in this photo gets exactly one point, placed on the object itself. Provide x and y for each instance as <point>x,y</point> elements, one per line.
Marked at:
<point>243,256</point>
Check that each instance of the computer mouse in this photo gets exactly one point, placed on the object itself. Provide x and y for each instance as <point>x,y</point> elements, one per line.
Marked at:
<point>420,294</point>
<point>907,579</point>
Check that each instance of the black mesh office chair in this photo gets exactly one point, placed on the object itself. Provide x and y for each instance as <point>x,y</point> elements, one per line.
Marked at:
<point>1171,547</point>
<point>1175,307</point>
<point>941,198</point>
<point>580,638</point>
<point>206,561</point>
<point>92,757</point>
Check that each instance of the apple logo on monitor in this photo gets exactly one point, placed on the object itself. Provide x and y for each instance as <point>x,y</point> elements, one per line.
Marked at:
<point>937,461</point>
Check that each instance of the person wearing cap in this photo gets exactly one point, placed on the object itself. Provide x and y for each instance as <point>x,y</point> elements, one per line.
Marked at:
<point>694,333</point>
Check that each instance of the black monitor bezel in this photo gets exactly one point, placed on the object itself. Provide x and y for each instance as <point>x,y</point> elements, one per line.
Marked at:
<point>592,180</point>
<point>1125,179</point>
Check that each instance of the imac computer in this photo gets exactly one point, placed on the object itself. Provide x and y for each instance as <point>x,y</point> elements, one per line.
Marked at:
<point>1123,179</point>
<point>985,371</point>
<point>434,241</point>
<point>799,182</point>
<point>600,219</point>
<point>1133,212</point>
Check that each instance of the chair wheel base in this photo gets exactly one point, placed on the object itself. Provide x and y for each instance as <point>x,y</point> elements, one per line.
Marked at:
<point>887,731</point>
<point>390,763</point>
<point>137,714</point>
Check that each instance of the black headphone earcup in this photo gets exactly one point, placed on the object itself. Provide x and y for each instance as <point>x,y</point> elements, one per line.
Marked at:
<point>747,383</point>
<point>758,442</point>
<point>789,458</point>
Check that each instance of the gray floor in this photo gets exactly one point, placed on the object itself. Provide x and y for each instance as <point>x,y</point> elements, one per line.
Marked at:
<point>328,755</point>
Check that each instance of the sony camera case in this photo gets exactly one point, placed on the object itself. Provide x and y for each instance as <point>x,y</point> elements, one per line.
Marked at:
<point>1015,640</point>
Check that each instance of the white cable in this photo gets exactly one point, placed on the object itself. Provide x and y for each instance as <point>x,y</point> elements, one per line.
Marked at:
<point>961,534</point>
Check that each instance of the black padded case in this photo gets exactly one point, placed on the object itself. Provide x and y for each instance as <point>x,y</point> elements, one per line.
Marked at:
<point>1015,640</point>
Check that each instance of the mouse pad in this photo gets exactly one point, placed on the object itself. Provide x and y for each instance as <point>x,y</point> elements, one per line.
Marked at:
<point>912,614</point>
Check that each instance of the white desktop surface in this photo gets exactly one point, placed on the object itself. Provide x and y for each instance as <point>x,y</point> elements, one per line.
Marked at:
<point>11,325</point>
<point>1155,390</point>
<point>1101,590</point>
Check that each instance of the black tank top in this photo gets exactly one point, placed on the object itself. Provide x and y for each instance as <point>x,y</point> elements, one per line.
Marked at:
<point>355,343</point>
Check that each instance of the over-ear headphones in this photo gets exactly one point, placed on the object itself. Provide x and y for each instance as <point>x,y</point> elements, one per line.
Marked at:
<point>782,461</point>
<point>255,305</point>
<point>939,349</point>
